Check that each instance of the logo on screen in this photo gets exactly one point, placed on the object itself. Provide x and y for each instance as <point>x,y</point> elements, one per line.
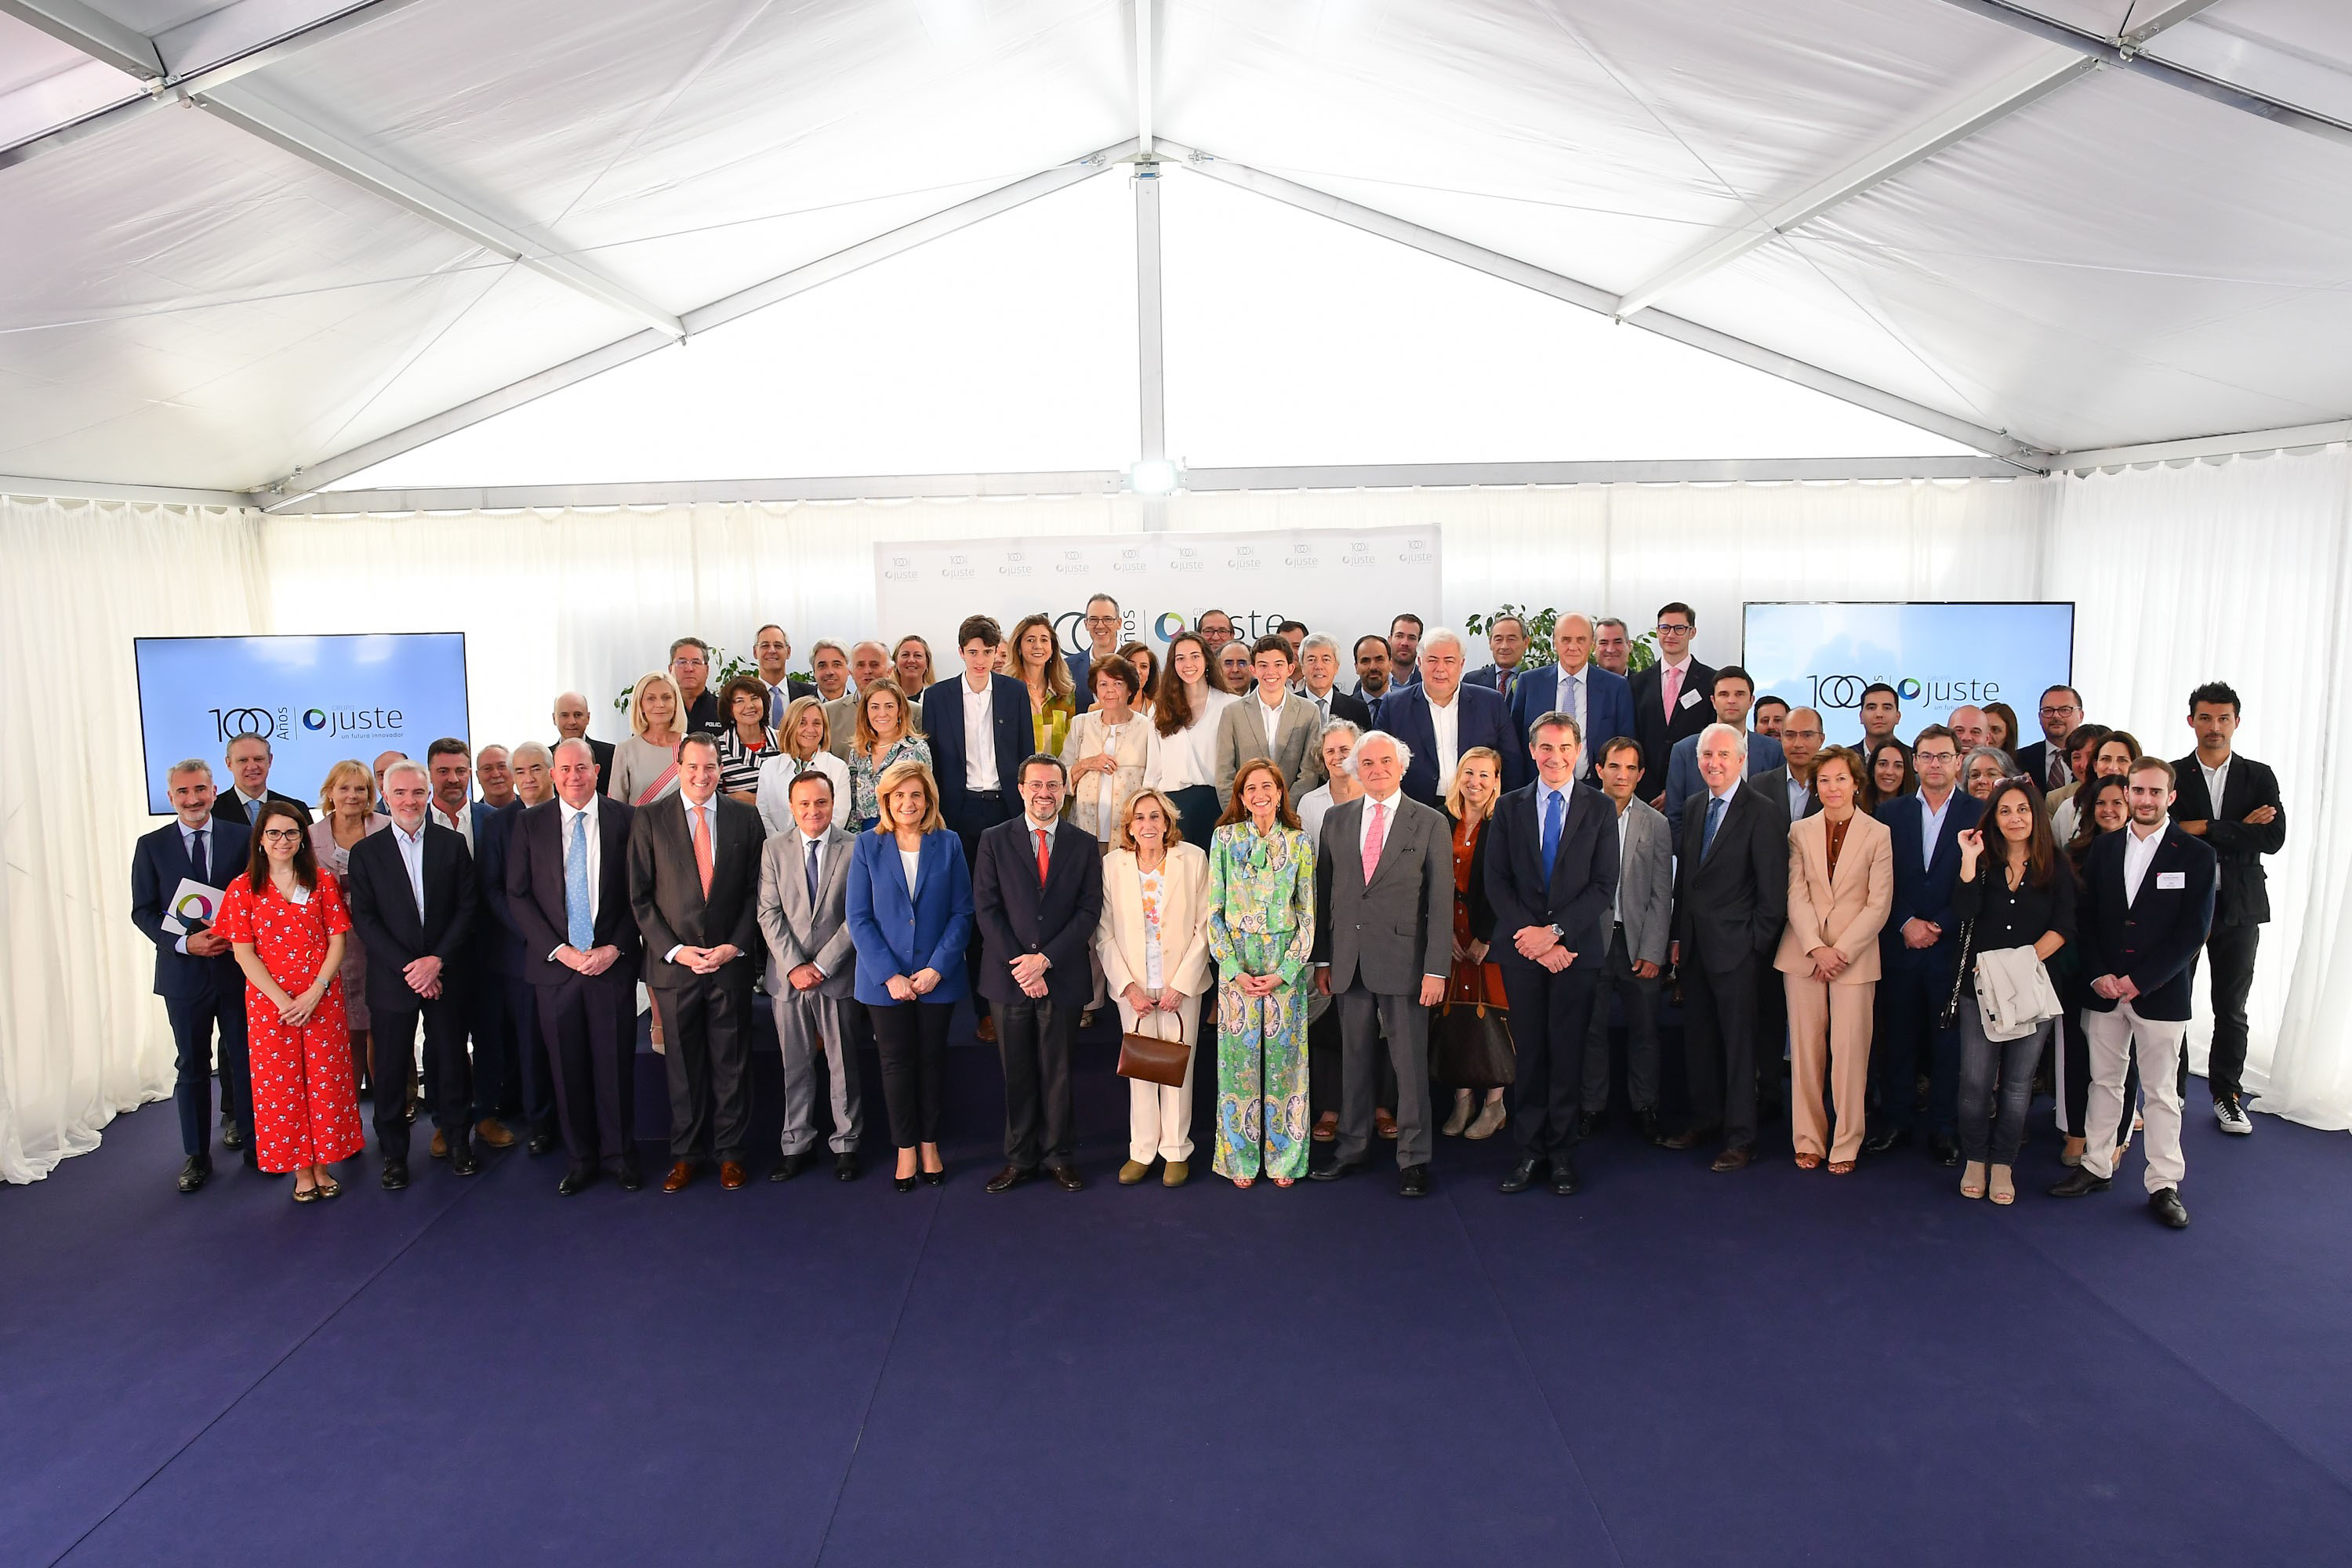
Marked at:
<point>314,719</point>
<point>1831,691</point>
<point>232,722</point>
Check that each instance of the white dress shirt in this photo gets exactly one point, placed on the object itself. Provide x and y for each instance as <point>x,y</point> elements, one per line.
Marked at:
<point>1931,823</point>
<point>411,858</point>
<point>462,823</point>
<point>2216,781</point>
<point>2140,853</point>
<point>980,773</point>
<point>1270,717</point>
<point>1445,719</point>
<point>1189,757</point>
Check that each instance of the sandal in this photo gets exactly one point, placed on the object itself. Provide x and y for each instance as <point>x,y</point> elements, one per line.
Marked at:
<point>2004,1187</point>
<point>1245,1182</point>
<point>1841,1167</point>
<point>1327,1126</point>
<point>306,1194</point>
<point>1284,1181</point>
<point>1808,1162</point>
<point>329,1189</point>
<point>1972,1180</point>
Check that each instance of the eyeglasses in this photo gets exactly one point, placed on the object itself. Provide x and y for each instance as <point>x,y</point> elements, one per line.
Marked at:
<point>2060,713</point>
<point>1102,620</point>
<point>281,834</point>
<point>1666,627</point>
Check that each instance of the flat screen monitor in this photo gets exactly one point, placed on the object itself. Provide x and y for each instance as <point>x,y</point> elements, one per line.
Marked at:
<point>1937,657</point>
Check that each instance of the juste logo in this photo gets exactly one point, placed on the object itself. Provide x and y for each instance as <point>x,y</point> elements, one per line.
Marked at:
<point>351,721</point>
<point>1845,690</point>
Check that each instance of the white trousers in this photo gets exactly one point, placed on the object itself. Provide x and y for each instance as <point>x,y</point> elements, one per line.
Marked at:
<point>1159,1119</point>
<point>2160,1041</point>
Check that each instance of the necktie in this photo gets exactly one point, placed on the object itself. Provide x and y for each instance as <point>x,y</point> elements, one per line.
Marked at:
<point>2058,767</point>
<point>580,926</point>
<point>1670,684</point>
<point>1555,818</point>
<point>1714,821</point>
<point>1375,837</point>
<point>699,822</point>
<point>253,810</point>
<point>1044,856</point>
<point>811,869</point>
<point>203,858</point>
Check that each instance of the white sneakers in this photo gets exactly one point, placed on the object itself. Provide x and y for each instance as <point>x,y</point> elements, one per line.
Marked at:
<point>2233,1117</point>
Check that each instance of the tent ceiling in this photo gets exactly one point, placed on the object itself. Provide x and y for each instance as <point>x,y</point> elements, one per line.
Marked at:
<point>2113,260</point>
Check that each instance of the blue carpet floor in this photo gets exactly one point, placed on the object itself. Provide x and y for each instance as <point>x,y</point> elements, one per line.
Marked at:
<point>1674,1368</point>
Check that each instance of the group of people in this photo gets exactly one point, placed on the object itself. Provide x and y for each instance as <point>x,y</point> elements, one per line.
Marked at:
<point>1437,882</point>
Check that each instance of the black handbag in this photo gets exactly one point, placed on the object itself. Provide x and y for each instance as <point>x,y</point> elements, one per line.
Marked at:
<point>1474,1048</point>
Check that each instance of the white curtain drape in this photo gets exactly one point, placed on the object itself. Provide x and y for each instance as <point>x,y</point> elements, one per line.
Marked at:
<point>81,1036</point>
<point>2239,570</point>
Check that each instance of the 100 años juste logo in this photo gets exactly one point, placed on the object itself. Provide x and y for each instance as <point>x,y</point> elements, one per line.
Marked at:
<point>1844,692</point>
<point>328,724</point>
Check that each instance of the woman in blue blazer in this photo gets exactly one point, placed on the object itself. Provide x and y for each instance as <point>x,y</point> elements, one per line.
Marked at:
<point>910,918</point>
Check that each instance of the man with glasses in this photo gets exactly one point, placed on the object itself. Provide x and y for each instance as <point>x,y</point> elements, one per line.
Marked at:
<point>1670,698</point>
<point>2044,762</point>
<point>690,667</point>
<point>1918,949</point>
<point>1104,629</point>
<point>1216,629</point>
<point>1792,780</point>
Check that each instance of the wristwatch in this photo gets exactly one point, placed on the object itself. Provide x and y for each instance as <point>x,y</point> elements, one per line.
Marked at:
<point>1561,934</point>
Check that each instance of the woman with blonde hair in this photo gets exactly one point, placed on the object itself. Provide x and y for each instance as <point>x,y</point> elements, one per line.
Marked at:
<point>1153,946</point>
<point>1476,985</point>
<point>645,766</point>
<point>1262,933</point>
<point>1053,698</point>
<point>887,733</point>
<point>347,813</point>
<point>801,747</point>
<point>910,660</point>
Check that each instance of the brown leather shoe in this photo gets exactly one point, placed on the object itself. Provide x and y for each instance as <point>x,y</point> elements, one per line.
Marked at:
<point>731,1174</point>
<point>1733,1160</point>
<point>1690,1138</point>
<point>440,1144</point>
<point>493,1131</point>
<point>681,1175</point>
<point>1384,1124</point>
<point>988,1031</point>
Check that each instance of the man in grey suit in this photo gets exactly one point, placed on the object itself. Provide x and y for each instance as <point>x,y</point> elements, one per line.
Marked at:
<point>804,889</point>
<point>1640,925</point>
<point>1383,941</point>
<point>1272,722</point>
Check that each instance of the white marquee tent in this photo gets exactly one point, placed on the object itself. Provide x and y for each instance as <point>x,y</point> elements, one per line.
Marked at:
<point>652,316</point>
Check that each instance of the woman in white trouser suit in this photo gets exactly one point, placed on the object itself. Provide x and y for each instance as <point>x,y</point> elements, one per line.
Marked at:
<point>1154,946</point>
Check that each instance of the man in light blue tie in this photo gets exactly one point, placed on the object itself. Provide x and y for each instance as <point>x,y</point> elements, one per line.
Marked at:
<point>812,974</point>
<point>1601,703</point>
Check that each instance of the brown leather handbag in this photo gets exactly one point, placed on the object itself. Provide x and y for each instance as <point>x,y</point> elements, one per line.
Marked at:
<point>1153,1059</point>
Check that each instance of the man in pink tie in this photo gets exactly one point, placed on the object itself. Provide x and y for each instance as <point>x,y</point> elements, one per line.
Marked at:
<point>694,886</point>
<point>1384,943</point>
<point>1671,698</point>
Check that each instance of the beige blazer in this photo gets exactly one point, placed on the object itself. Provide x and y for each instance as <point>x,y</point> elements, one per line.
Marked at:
<point>841,723</point>
<point>1845,912</point>
<point>1298,748</point>
<point>1183,921</point>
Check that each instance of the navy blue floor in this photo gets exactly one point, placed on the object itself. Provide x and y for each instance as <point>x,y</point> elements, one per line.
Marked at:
<point>1674,1368</point>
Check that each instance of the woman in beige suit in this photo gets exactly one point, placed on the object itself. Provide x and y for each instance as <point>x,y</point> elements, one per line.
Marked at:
<point>1840,885</point>
<point>1154,946</point>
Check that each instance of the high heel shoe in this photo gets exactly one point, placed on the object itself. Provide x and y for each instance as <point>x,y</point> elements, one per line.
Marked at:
<point>903,1184</point>
<point>1972,1180</point>
<point>933,1178</point>
<point>2004,1187</point>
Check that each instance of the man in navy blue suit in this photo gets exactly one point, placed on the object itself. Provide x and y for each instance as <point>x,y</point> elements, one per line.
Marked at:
<point>1733,694</point>
<point>978,728</point>
<point>1918,952</point>
<point>2147,910</point>
<point>196,973</point>
<point>1601,703</point>
<point>1439,718</point>
<point>1104,621</point>
<point>482,989</point>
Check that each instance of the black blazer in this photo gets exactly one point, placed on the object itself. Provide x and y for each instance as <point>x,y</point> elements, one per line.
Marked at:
<point>158,862</point>
<point>943,727</point>
<point>1576,895</point>
<point>602,750</point>
<point>1774,783</point>
<point>225,808</point>
<point>384,912</point>
<point>1017,916</point>
<point>1656,732</point>
<point>1344,705</point>
<point>499,939</point>
<point>535,886</point>
<point>666,891</point>
<point>2239,845</point>
<point>2153,940</point>
<point>1732,902</point>
<point>2032,760</point>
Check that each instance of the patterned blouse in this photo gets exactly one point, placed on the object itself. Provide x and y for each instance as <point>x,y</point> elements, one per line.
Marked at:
<point>1261,900</point>
<point>863,775</point>
<point>739,764</point>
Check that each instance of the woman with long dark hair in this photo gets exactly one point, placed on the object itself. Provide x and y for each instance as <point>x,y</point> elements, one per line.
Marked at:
<point>1888,770</point>
<point>1052,700</point>
<point>1184,713</point>
<point>2105,807</point>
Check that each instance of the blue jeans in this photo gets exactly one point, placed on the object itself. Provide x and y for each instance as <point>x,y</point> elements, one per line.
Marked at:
<point>1992,1134</point>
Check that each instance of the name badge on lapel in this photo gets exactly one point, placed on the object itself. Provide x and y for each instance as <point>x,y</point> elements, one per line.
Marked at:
<point>2171,880</point>
<point>1689,697</point>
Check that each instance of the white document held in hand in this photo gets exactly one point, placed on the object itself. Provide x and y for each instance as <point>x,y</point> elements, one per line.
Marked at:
<point>193,908</point>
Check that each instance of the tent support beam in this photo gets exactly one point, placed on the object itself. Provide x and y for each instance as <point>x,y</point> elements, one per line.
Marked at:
<point>2127,57</point>
<point>94,33</point>
<point>308,480</point>
<point>1999,444</point>
<point>2281,439</point>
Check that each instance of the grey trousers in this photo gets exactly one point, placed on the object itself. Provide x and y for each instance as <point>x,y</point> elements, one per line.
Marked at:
<point>804,1022</point>
<point>1364,1017</point>
<point>1641,996</point>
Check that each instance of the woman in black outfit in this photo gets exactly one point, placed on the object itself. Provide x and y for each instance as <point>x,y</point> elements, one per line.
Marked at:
<point>2104,809</point>
<point>2021,891</point>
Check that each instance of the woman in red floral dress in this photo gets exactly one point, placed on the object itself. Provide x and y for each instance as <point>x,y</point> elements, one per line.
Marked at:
<point>286,920</point>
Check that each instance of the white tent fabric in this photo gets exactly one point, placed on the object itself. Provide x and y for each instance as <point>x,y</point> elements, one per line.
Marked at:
<point>2116,261</point>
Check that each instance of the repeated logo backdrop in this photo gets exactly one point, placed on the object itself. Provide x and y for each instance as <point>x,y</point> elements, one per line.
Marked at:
<point>1339,581</point>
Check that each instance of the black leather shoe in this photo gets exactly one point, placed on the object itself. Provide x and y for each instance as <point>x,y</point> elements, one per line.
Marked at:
<point>1005,1180</point>
<point>2164,1205</point>
<point>1886,1138</point>
<point>1692,1138</point>
<point>933,1178</point>
<point>395,1175</point>
<point>540,1143</point>
<point>787,1167</point>
<point>461,1158</point>
<point>1412,1182</point>
<point>1331,1171</point>
<point>906,1185</point>
<point>1563,1176</point>
<point>578,1179</point>
<point>2079,1183</point>
<point>1646,1123</point>
<point>1942,1151</point>
<point>1587,1123</point>
<point>1522,1176</point>
<point>844,1166</point>
<point>196,1173</point>
<point>630,1177</point>
<point>232,1135</point>
<point>1066,1177</point>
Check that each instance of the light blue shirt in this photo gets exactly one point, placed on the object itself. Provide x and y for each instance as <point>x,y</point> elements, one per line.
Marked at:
<point>1931,823</point>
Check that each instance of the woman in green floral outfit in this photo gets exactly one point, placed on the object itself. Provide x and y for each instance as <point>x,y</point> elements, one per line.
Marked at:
<point>1260,931</point>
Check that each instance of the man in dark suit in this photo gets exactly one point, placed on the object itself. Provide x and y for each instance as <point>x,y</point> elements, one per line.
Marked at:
<point>1384,948</point>
<point>412,895</point>
<point>771,650</point>
<point>1731,901</point>
<point>1601,703</point>
<point>1104,623</point>
<point>249,759</point>
<point>1733,695</point>
<point>1438,718</point>
<point>196,973</point>
<point>979,730</point>
<point>1791,783</point>
<point>571,724</point>
<point>504,996</point>
<point>1919,952</point>
<point>694,883</point>
<point>480,985</point>
<point>2044,762</point>
<point>567,884</point>
<point>1506,640</point>
<point>2233,804</point>
<point>1319,666</point>
<point>1036,898</point>
<point>2147,909</point>
<point>1670,698</point>
<point>1551,877</point>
